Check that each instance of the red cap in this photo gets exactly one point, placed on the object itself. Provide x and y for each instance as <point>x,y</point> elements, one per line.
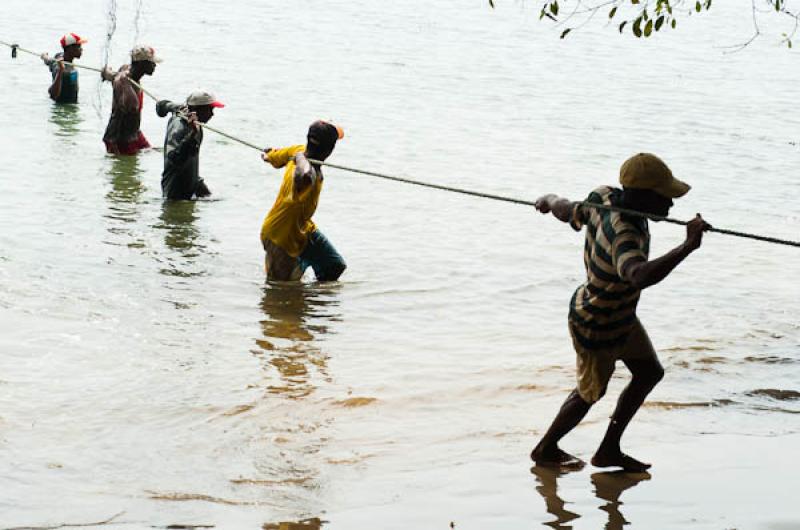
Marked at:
<point>72,38</point>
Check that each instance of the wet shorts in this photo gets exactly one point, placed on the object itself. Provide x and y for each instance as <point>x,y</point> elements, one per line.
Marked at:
<point>130,148</point>
<point>595,367</point>
<point>319,254</point>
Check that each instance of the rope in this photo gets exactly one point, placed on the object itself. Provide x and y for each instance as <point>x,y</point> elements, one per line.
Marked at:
<point>462,191</point>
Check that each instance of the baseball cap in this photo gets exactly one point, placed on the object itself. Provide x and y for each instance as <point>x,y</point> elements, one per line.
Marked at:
<point>322,133</point>
<point>202,97</point>
<point>647,171</point>
<point>72,38</point>
<point>144,53</point>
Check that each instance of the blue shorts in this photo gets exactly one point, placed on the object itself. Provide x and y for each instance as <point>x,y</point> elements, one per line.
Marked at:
<point>318,254</point>
<point>321,256</point>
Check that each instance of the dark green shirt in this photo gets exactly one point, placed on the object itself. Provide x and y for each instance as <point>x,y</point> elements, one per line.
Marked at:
<point>180,179</point>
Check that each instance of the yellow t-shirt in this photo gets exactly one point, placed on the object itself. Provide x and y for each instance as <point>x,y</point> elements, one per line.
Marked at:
<point>289,222</point>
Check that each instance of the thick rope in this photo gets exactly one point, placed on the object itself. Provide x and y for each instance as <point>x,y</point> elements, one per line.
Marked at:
<point>462,191</point>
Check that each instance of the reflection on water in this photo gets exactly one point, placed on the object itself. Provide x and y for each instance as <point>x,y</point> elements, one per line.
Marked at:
<point>608,486</point>
<point>126,187</point>
<point>307,524</point>
<point>178,222</point>
<point>182,236</point>
<point>296,314</point>
<point>547,478</point>
<point>67,119</point>
<point>297,319</point>
<point>124,197</point>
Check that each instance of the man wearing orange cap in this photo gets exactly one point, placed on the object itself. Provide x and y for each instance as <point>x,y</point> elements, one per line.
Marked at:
<point>123,136</point>
<point>602,317</point>
<point>181,180</point>
<point>290,238</point>
<point>64,88</point>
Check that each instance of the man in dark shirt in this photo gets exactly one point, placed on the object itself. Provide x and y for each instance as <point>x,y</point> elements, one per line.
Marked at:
<point>123,136</point>
<point>181,179</point>
<point>64,88</point>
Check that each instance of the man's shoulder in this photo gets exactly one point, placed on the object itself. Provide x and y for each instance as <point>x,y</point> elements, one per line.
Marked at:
<point>122,74</point>
<point>603,194</point>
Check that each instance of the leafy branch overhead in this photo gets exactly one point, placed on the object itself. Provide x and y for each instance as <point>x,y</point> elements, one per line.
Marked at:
<point>642,18</point>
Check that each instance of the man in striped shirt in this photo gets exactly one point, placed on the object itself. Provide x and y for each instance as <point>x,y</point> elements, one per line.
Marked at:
<point>602,315</point>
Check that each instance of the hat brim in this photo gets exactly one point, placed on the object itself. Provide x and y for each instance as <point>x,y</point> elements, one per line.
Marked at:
<point>217,104</point>
<point>673,189</point>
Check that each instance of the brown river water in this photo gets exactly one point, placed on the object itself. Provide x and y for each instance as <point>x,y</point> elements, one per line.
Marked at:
<point>150,377</point>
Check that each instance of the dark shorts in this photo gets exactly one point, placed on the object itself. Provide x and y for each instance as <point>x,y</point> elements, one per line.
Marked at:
<point>319,254</point>
<point>130,148</point>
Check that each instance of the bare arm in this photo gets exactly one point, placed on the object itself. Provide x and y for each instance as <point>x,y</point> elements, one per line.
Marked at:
<point>642,274</point>
<point>55,88</point>
<point>560,207</point>
<point>304,175</point>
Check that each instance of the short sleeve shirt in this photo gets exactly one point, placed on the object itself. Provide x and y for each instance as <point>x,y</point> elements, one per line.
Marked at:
<point>603,309</point>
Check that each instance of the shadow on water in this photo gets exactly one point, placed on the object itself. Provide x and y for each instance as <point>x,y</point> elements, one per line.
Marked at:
<point>296,315</point>
<point>67,119</point>
<point>608,487</point>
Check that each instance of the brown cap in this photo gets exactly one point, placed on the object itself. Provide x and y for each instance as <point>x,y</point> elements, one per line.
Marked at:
<point>647,171</point>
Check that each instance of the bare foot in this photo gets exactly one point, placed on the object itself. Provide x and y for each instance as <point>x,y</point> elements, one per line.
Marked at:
<point>619,459</point>
<point>555,457</point>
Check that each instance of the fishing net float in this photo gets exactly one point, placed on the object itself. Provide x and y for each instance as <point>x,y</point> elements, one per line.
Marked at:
<point>626,211</point>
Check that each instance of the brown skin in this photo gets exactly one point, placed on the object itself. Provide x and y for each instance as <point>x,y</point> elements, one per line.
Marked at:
<point>646,373</point>
<point>140,69</point>
<point>303,171</point>
<point>201,114</point>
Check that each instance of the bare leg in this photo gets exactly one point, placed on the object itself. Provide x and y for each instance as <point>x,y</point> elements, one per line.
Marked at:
<point>646,375</point>
<point>547,452</point>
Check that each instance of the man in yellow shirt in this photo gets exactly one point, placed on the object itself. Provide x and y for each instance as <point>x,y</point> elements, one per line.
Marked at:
<point>290,238</point>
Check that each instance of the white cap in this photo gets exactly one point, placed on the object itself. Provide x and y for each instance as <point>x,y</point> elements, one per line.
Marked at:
<point>199,98</point>
<point>144,53</point>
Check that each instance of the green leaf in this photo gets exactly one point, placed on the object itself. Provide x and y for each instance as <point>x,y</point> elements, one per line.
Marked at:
<point>644,15</point>
<point>659,22</point>
<point>637,27</point>
<point>491,3</point>
<point>648,29</point>
<point>697,6</point>
<point>554,7</point>
<point>612,12</point>
<point>634,1</point>
<point>622,26</point>
<point>789,43</point>
<point>674,23</point>
<point>564,33</point>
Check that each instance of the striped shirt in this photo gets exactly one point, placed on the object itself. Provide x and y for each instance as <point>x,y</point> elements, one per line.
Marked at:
<point>603,310</point>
